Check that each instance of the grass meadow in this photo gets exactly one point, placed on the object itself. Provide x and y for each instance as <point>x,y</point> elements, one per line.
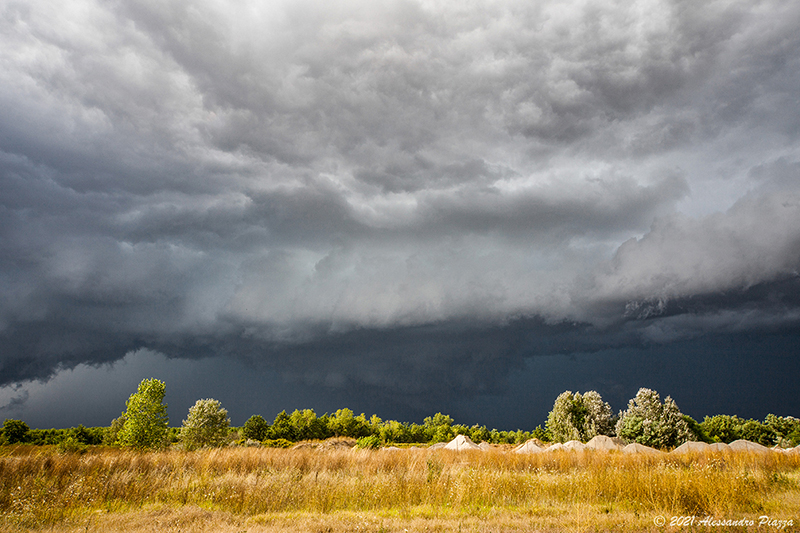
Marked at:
<point>332,490</point>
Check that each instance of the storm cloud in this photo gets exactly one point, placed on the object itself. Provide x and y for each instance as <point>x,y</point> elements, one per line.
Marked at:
<point>409,198</point>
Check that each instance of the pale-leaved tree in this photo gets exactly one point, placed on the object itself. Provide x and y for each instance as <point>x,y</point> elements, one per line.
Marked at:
<point>652,423</point>
<point>579,417</point>
<point>206,425</point>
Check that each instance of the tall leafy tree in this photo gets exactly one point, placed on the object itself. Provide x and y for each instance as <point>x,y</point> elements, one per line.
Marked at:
<point>146,419</point>
<point>579,417</point>
<point>206,425</point>
<point>650,422</point>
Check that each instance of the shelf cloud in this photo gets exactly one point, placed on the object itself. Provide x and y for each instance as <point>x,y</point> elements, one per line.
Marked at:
<point>347,192</point>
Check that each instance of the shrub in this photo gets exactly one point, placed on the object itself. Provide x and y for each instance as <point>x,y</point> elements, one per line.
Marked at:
<point>15,431</point>
<point>146,419</point>
<point>371,442</point>
<point>71,445</point>
<point>649,422</point>
<point>276,443</point>
<point>576,417</point>
<point>206,425</point>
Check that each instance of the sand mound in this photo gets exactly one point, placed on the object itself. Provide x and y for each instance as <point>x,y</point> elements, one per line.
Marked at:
<point>529,446</point>
<point>747,446</point>
<point>719,447</point>
<point>461,443</point>
<point>692,447</point>
<point>602,442</point>
<point>635,447</point>
<point>574,446</point>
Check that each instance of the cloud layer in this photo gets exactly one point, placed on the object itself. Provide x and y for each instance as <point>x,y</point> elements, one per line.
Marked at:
<point>265,180</point>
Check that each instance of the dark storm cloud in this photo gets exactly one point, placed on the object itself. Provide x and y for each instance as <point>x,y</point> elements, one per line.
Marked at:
<point>349,192</point>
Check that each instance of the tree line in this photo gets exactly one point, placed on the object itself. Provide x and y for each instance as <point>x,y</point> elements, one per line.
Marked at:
<point>650,421</point>
<point>647,420</point>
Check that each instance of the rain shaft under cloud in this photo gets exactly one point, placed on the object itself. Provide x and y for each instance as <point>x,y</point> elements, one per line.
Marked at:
<point>343,189</point>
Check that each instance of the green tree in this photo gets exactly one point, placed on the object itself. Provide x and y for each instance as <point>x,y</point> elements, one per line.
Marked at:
<point>146,417</point>
<point>576,417</point>
<point>394,431</point>
<point>282,428</point>
<point>307,426</point>
<point>722,428</point>
<point>649,422</point>
<point>256,428</point>
<point>344,424</point>
<point>111,437</point>
<point>479,433</point>
<point>438,428</point>
<point>15,431</point>
<point>755,431</point>
<point>82,435</point>
<point>541,434</point>
<point>206,425</point>
<point>786,429</point>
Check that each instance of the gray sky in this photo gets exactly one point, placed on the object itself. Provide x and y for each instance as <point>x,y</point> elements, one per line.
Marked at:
<point>397,205</point>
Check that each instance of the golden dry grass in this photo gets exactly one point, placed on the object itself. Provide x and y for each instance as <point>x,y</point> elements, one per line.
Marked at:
<point>255,489</point>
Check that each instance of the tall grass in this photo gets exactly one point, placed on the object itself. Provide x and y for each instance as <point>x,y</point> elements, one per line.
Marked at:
<point>40,487</point>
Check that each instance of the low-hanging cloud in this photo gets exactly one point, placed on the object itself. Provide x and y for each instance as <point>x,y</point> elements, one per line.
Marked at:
<point>757,241</point>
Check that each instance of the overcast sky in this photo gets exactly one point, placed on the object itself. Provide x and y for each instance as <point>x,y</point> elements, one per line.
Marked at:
<point>402,207</point>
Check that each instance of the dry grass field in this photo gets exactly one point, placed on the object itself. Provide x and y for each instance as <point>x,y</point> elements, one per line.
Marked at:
<point>336,490</point>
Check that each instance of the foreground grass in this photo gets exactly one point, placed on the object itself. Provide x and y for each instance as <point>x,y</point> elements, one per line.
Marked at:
<point>254,489</point>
